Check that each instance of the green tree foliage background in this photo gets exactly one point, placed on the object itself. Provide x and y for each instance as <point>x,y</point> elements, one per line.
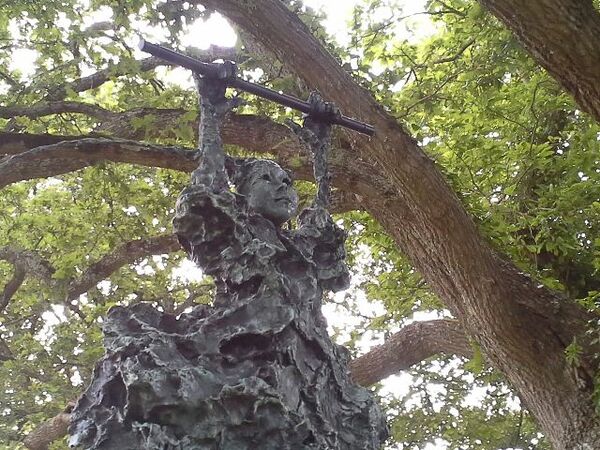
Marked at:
<point>520,155</point>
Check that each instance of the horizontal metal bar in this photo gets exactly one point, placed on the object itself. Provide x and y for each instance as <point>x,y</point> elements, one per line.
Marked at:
<point>214,70</point>
<point>179,59</point>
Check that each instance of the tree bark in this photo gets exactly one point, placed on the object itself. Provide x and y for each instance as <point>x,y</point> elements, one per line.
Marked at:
<point>48,432</point>
<point>67,156</point>
<point>563,36</point>
<point>122,255</point>
<point>523,328</point>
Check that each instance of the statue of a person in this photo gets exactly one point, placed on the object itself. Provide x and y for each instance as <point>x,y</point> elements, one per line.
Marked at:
<point>256,370</point>
<point>238,237</point>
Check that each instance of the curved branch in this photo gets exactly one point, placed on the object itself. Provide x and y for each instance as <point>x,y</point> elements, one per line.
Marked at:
<point>6,353</point>
<point>129,67</point>
<point>67,156</point>
<point>24,262</point>
<point>39,156</point>
<point>56,107</point>
<point>29,261</point>
<point>15,143</point>
<point>102,76</point>
<point>456,55</point>
<point>124,254</point>
<point>411,345</point>
<point>49,431</point>
<point>254,133</point>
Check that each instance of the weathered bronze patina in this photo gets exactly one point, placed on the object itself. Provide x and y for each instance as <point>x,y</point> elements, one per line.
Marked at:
<point>256,370</point>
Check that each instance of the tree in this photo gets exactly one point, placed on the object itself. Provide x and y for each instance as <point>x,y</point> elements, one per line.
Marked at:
<point>514,148</point>
<point>574,65</point>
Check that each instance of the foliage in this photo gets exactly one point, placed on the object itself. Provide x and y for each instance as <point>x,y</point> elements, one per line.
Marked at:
<point>519,154</point>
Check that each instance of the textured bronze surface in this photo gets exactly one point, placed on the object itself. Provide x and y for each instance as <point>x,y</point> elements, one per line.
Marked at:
<point>256,370</point>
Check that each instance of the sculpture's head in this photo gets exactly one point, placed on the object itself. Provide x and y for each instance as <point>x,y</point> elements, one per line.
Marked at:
<point>268,189</point>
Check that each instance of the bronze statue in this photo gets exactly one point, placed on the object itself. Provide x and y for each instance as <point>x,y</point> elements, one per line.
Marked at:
<point>256,370</point>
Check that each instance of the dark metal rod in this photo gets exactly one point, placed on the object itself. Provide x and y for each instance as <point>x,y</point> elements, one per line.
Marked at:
<point>213,70</point>
<point>179,59</point>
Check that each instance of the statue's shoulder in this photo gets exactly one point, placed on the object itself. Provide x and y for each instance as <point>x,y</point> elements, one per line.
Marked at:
<point>207,218</point>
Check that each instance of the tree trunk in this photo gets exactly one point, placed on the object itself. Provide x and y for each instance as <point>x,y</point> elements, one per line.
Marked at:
<point>522,327</point>
<point>563,36</point>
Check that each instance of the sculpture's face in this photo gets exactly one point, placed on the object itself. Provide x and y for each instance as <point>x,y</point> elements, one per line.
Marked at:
<point>269,192</point>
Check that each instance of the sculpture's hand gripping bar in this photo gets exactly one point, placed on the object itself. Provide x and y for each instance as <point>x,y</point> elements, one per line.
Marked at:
<point>226,72</point>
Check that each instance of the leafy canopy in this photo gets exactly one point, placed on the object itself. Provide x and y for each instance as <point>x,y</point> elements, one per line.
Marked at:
<point>515,148</point>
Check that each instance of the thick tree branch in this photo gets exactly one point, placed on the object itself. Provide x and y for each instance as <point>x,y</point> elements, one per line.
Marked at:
<point>38,156</point>
<point>25,262</point>
<point>15,143</point>
<point>412,344</point>
<point>563,36</point>
<point>67,156</point>
<point>49,431</point>
<point>5,351</point>
<point>125,254</point>
<point>254,133</point>
<point>29,261</point>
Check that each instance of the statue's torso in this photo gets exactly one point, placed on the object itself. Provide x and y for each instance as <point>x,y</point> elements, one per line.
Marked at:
<point>249,256</point>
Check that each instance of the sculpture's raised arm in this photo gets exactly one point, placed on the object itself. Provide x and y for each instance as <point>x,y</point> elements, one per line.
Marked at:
<point>213,106</point>
<point>207,213</point>
<point>319,123</point>
<point>316,228</point>
<point>316,133</point>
